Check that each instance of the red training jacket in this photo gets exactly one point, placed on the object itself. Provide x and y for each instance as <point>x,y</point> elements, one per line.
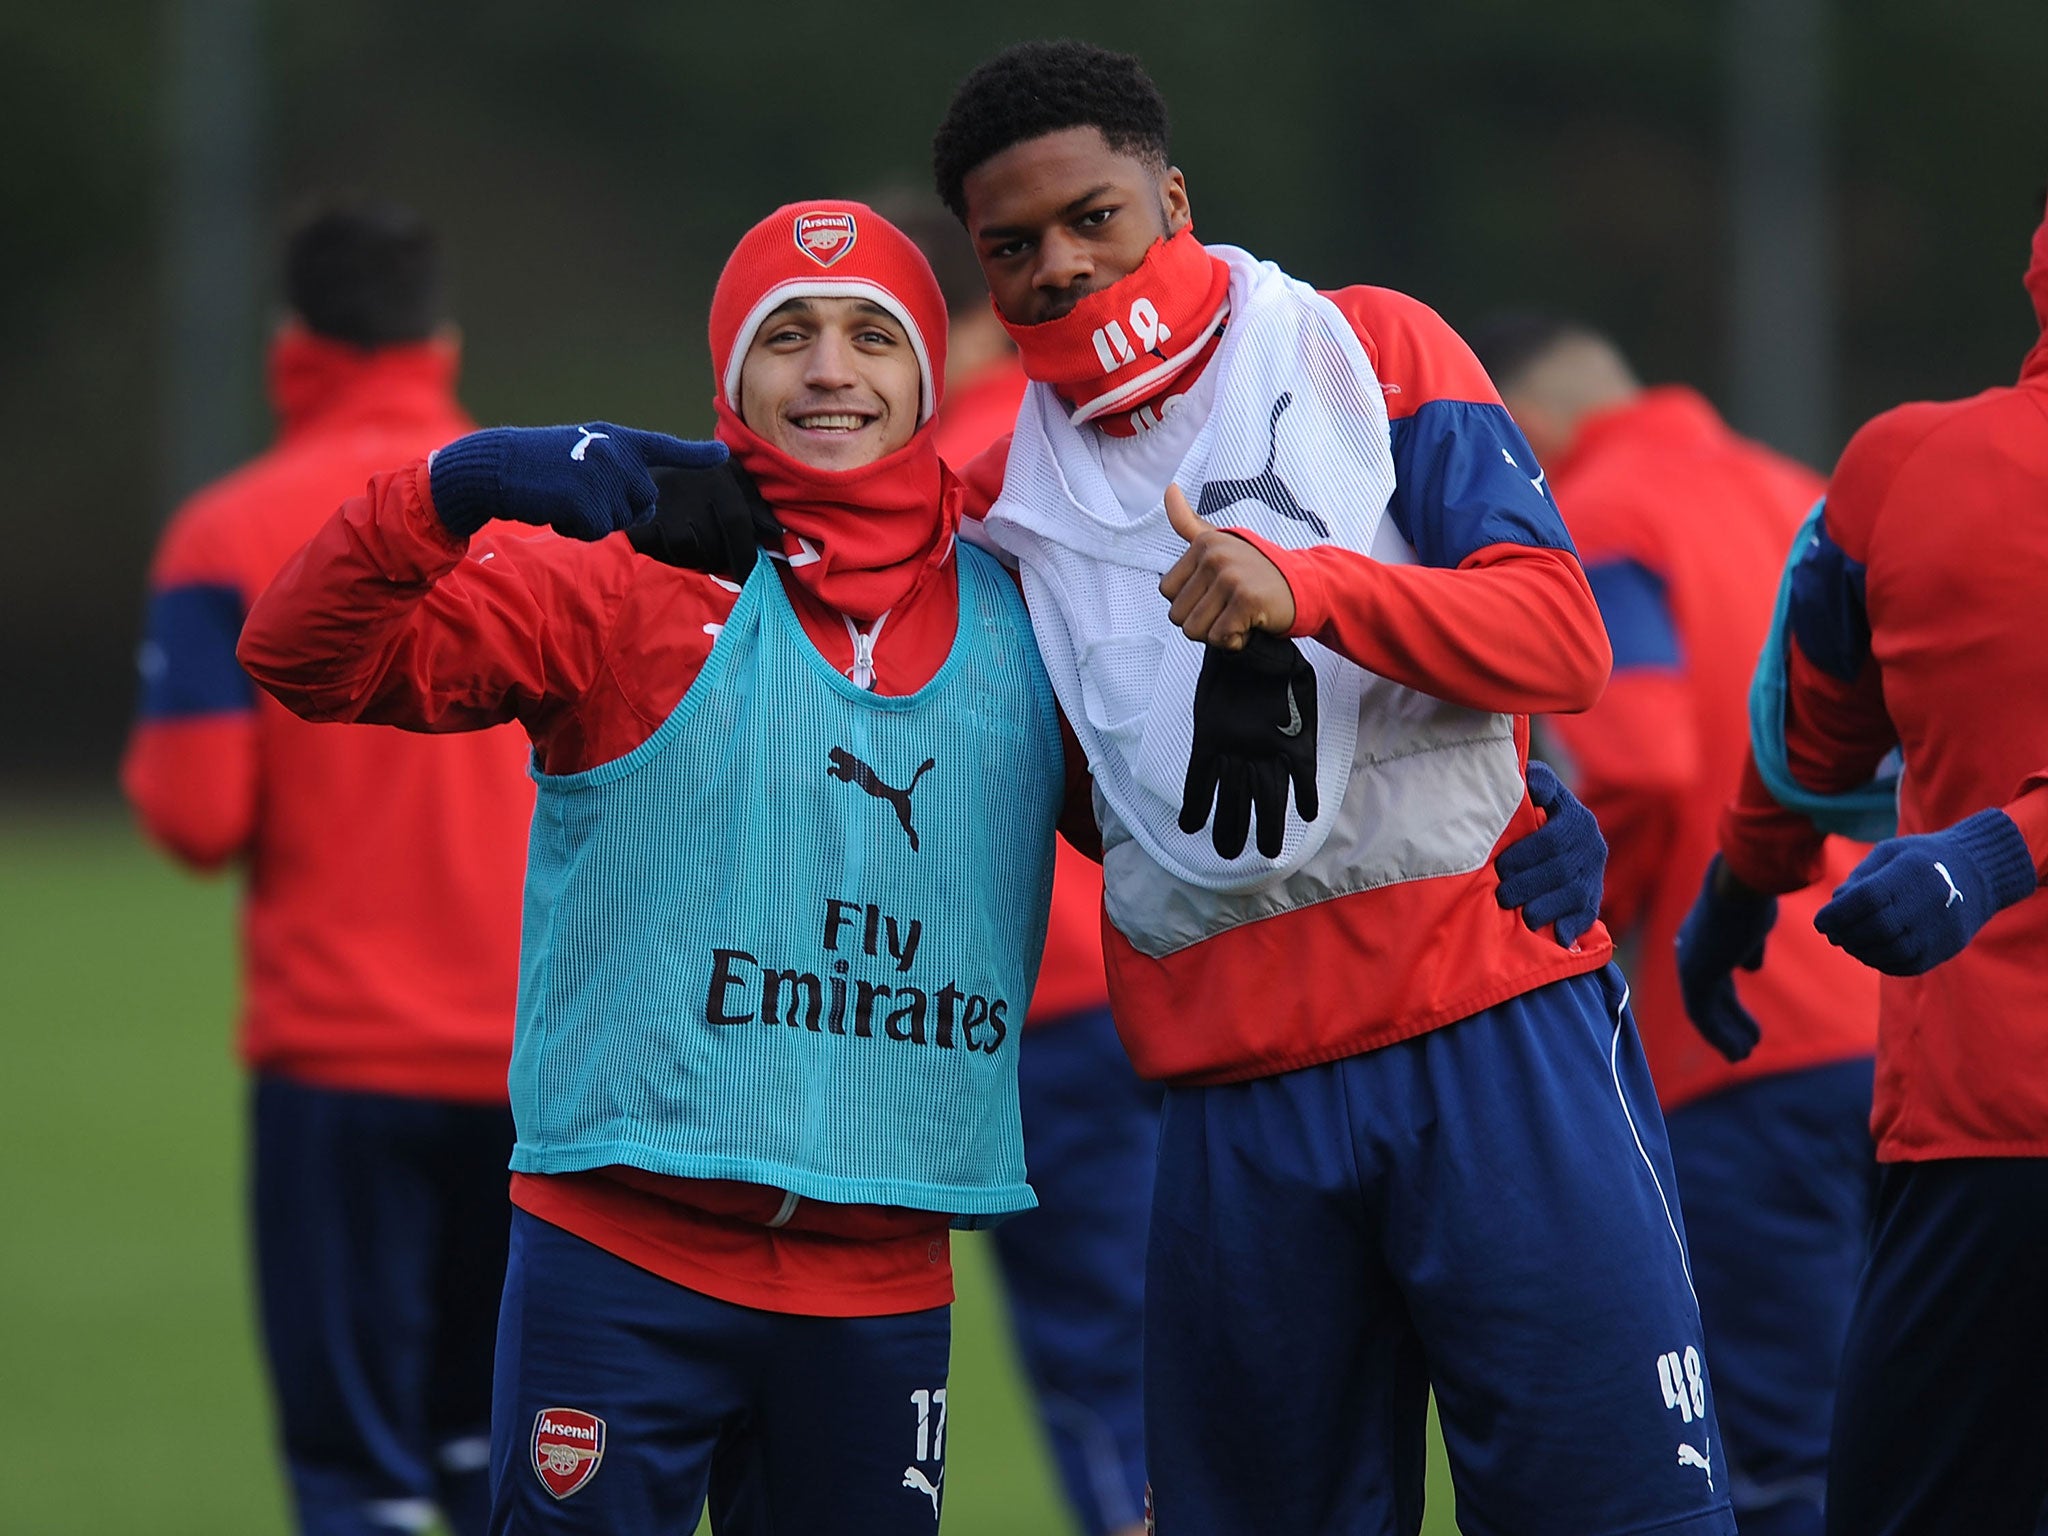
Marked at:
<point>979,412</point>
<point>1496,616</point>
<point>386,617</point>
<point>380,920</point>
<point>1683,528</point>
<point>1918,624</point>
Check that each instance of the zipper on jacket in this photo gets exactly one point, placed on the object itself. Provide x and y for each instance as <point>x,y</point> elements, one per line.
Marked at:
<point>863,669</point>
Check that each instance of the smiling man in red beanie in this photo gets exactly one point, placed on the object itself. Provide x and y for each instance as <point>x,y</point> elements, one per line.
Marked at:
<point>785,896</point>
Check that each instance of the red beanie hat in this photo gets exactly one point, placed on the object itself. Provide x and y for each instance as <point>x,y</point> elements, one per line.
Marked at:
<point>826,249</point>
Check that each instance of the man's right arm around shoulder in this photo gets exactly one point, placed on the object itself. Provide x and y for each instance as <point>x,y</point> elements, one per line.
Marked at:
<point>404,610</point>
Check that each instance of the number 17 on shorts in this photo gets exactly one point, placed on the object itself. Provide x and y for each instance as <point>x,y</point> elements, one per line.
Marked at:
<point>930,1407</point>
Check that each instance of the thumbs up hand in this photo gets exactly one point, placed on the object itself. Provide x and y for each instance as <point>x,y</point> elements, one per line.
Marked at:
<point>1223,588</point>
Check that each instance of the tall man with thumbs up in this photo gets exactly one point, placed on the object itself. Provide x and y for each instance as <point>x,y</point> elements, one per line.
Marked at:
<point>1405,1134</point>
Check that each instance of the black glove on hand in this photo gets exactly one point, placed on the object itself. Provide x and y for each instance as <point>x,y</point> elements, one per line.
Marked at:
<point>708,518</point>
<point>1255,731</point>
<point>1555,873</point>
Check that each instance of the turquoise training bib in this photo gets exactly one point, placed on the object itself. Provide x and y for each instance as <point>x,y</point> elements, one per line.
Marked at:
<point>790,939</point>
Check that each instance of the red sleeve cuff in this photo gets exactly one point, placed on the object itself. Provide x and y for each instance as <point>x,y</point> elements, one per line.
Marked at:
<point>420,517</point>
<point>1767,847</point>
<point>1304,577</point>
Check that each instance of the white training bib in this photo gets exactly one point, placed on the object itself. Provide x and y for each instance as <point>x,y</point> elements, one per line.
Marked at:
<point>1295,449</point>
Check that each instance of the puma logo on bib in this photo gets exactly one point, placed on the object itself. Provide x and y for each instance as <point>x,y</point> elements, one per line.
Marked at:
<point>849,769</point>
<point>1266,487</point>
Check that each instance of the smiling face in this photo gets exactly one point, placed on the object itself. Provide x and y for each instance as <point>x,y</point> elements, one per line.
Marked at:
<point>832,382</point>
<point>1057,217</point>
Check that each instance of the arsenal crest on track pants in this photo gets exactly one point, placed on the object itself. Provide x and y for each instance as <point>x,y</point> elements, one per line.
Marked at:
<point>624,1401</point>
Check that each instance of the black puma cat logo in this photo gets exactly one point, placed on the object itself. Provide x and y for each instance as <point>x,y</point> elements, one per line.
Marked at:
<point>1266,488</point>
<point>849,769</point>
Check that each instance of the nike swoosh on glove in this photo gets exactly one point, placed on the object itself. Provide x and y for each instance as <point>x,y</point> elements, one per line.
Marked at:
<point>1255,733</point>
<point>1916,901</point>
<point>1724,929</point>
<point>584,482</point>
<point>1555,873</point>
<point>710,519</point>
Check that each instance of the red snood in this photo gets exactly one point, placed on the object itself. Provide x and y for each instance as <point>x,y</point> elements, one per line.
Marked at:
<point>861,540</point>
<point>1124,344</point>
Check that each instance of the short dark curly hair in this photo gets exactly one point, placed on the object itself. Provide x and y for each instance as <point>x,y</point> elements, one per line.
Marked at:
<point>1032,89</point>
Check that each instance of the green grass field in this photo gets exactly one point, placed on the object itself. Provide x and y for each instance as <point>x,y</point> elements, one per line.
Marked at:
<point>133,1401</point>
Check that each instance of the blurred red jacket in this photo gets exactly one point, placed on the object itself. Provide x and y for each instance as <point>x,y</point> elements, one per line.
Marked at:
<point>1918,625</point>
<point>981,411</point>
<point>1683,527</point>
<point>380,920</point>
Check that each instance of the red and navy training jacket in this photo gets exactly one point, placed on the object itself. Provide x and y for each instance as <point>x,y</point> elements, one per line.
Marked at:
<point>1496,616</point>
<point>1915,623</point>
<point>1683,527</point>
<point>380,914</point>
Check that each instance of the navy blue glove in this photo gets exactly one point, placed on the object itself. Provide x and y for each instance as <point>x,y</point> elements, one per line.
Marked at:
<point>585,482</point>
<point>1916,901</point>
<point>1555,873</point>
<point>1726,927</point>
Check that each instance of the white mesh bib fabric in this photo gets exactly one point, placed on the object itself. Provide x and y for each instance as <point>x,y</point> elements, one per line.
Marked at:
<point>1295,449</point>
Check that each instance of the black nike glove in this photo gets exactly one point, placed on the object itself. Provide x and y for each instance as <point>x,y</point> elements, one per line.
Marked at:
<point>709,519</point>
<point>1255,732</point>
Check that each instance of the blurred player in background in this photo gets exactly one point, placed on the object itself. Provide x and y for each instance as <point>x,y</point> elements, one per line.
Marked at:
<point>1408,1139</point>
<point>380,920</point>
<point>1913,624</point>
<point>1075,1267</point>
<point>1683,527</point>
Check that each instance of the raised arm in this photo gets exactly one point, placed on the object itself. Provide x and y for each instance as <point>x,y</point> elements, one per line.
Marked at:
<point>1497,615</point>
<point>387,617</point>
<point>399,612</point>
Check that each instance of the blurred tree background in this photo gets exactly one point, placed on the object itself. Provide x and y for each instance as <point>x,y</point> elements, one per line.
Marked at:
<point>590,166</point>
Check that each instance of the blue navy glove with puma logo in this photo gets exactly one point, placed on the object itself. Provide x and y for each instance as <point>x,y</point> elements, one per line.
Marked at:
<point>1726,927</point>
<point>1555,874</point>
<point>1255,734</point>
<point>584,482</point>
<point>1916,901</point>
